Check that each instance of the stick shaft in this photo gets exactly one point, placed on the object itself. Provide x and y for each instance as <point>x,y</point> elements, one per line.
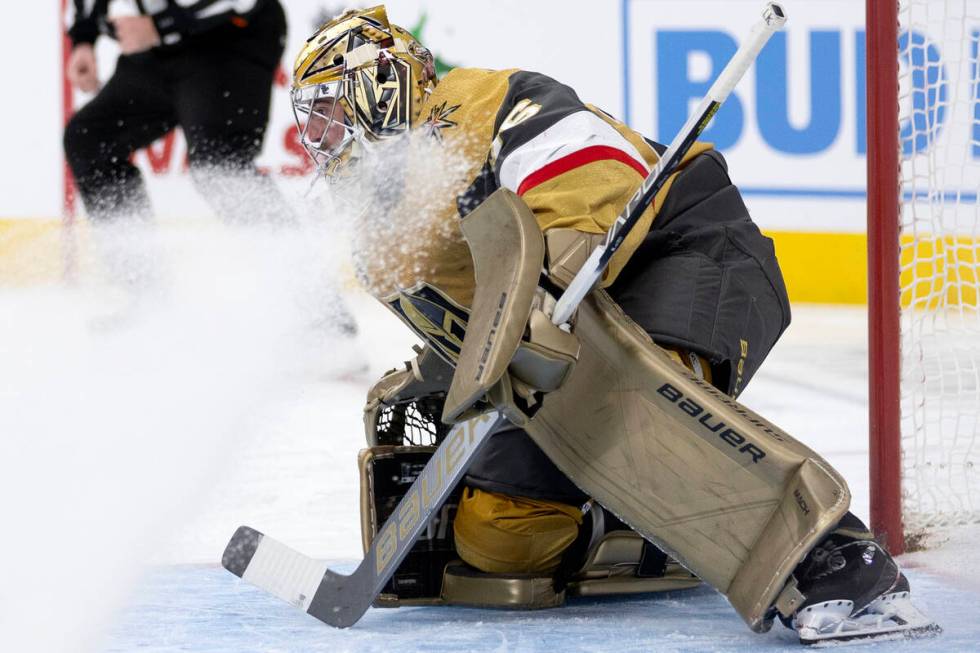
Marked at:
<point>772,20</point>
<point>427,494</point>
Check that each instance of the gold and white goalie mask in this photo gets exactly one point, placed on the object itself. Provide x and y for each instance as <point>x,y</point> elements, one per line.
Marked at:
<point>358,80</point>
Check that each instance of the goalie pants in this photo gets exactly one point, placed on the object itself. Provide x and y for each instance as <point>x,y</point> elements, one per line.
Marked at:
<point>216,87</point>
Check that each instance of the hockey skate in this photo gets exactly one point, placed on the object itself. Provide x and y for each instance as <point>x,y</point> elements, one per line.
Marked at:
<point>854,590</point>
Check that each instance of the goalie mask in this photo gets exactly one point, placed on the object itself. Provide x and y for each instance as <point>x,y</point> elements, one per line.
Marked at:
<point>358,80</point>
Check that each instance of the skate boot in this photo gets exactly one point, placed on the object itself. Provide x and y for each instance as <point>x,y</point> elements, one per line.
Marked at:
<point>853,589</point>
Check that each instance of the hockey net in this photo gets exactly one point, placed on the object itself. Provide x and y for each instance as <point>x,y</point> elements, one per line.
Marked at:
<point>924,313</point>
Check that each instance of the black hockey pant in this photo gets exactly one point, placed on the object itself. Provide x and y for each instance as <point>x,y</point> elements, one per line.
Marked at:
<point>221,102</point>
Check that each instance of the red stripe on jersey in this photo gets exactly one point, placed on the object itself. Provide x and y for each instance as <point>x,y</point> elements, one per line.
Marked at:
<point>577,159</point>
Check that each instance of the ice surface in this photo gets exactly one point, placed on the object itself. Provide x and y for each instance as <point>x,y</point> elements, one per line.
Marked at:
<point>203,609</point>
<point>121,409</point>
<point>300,486</point>
<point>115,454</point>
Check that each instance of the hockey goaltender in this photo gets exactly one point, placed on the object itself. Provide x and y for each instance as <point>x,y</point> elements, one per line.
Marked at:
<point>625,464</point>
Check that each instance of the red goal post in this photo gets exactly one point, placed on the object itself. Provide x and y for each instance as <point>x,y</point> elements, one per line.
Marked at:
<point>883,273</point>
<point>923,130</point>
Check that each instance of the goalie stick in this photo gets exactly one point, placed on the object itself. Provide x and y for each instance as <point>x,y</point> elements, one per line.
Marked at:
<point>340,600</point>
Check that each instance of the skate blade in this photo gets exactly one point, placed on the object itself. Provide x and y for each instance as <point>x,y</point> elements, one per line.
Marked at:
<point>889,617</point>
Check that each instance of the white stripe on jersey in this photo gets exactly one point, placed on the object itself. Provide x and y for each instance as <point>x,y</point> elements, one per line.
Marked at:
<point>572,133</point>
<point>220,7</point>
<point>122,8</point>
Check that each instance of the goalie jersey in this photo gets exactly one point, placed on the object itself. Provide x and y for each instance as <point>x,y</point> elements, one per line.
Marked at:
<point>695,272</point>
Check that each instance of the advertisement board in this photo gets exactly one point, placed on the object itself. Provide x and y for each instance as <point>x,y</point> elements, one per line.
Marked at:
<point>794,131</point>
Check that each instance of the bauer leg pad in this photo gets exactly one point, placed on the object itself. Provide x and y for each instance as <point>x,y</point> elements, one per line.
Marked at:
<point>735,499</point>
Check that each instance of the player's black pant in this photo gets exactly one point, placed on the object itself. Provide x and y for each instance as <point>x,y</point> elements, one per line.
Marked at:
<point>216,88</point>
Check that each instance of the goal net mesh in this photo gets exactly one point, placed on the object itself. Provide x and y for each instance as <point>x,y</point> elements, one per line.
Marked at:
<point>939,112</point>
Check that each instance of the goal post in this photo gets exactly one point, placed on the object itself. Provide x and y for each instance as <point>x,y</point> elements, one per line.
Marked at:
<point>69,246</point>
<point>923,176</point>
<point>883,272</point>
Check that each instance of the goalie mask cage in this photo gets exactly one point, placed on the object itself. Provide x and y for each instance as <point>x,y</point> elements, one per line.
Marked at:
<point>923,99</point>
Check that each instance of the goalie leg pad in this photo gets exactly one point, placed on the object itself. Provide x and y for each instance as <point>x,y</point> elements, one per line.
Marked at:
<point>735,499</point>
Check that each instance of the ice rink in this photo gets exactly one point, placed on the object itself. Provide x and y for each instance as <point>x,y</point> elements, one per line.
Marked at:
<point>136,449</point>
<point>149,408</point>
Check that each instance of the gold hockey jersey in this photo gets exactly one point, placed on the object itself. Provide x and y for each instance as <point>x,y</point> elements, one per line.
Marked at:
<point>574,165</point>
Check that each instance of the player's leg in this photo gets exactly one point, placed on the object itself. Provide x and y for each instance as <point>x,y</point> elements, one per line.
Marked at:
<point>847,585</point>
<point>529,537</point>
<point>224,119</point>
<point>223,93</point>
<point>223,99</point>
<point>131,111</point>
